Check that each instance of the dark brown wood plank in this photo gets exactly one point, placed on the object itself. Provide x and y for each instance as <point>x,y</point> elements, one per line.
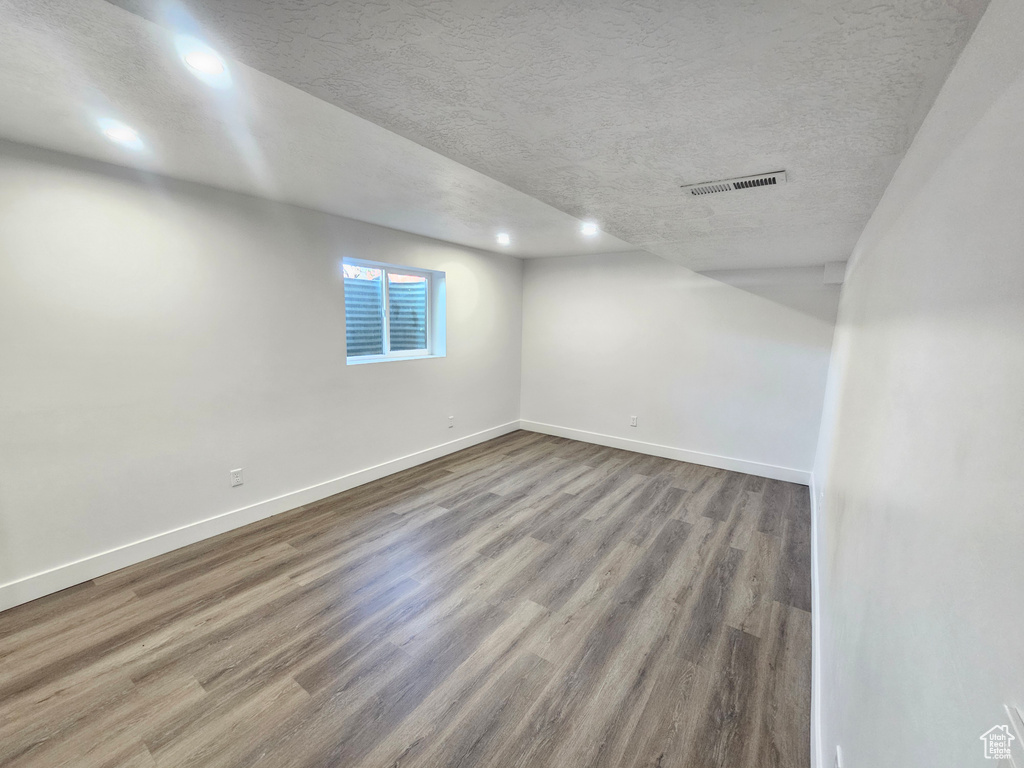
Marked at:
<point>728,723</point>
<point>793,583</point>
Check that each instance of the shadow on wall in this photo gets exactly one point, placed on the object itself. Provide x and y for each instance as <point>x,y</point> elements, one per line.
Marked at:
<point>811,291</point>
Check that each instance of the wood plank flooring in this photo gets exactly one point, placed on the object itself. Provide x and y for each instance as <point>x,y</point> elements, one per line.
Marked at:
<point>531,602</point>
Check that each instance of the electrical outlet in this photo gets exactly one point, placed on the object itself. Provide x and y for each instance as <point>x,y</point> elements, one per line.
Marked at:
<point>839,756</point>
<point>451,422</point>
<point>236,477</point>
<point>632,421</point>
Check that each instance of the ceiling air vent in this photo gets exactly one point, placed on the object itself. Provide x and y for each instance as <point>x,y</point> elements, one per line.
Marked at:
<point>743,182</point>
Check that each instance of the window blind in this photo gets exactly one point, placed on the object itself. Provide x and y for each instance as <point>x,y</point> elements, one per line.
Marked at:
<point>407,312</point>
<point>364,317</point>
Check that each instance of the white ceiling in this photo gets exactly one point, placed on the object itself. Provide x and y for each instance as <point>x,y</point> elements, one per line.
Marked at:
<point>591,110</point>
<point>66,63</point>
<point>603,108</point>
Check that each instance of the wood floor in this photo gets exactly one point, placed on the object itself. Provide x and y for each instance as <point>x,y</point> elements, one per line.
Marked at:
<point>531,601</point>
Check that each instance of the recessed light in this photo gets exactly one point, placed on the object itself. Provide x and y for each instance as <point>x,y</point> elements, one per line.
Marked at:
<point>122,134</point>
<point>503,238</point>
<point>203,61</point>
<point>589,229</point>
<point>207,62</point>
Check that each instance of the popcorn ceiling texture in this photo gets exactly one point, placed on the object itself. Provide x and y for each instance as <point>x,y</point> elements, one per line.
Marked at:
<point>602,109</point>
<point>63,64</point>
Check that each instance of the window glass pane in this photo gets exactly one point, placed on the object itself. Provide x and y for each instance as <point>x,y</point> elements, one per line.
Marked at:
<point>407,311</point>
<point>364,310</point>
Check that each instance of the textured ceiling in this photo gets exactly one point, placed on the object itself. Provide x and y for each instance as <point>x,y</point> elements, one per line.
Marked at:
<point>603,108</point>
<point>64,64</point>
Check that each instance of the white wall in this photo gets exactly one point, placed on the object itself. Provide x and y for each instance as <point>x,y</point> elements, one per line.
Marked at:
<point>921,520</point>
<point>714,373</point>
<point>156,334</point>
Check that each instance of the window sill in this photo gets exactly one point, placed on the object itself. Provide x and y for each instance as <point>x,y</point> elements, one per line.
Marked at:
<point>383,359</point>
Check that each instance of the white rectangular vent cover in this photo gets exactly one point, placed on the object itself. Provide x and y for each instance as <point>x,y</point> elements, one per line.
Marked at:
<point>743,182</point>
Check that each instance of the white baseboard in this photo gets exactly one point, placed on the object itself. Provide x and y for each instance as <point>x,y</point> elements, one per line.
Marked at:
<point>680,454</point>
<point>37,585</point>
<point>817,748</point>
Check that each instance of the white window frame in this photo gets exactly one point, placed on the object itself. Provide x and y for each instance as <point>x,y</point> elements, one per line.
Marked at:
<point>404,354</point>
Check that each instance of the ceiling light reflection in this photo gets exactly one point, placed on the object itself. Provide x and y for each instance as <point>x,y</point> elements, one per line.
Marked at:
<point>203,61</point>
<point>119,133</point>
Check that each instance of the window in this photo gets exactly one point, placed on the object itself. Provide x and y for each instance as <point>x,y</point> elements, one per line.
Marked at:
<point>392,313</point>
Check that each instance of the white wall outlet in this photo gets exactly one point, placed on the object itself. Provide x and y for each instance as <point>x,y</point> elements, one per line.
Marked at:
<point>236,477</point>
<point>839,756</point>
<point>632,421</point>
<point>451,422</point>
